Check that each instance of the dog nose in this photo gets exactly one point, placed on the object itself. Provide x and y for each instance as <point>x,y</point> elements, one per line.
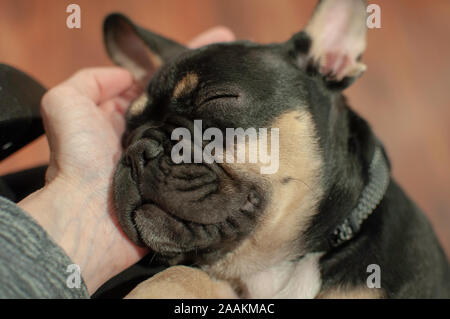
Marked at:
<point>140,153</point>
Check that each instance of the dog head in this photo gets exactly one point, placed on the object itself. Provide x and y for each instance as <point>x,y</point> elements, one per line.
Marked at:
<point>203,210</point>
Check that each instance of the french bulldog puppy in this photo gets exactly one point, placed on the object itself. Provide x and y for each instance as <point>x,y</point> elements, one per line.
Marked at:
<point>328,222</point>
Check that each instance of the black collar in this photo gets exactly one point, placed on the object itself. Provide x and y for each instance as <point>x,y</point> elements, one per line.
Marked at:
<point>371,196</point>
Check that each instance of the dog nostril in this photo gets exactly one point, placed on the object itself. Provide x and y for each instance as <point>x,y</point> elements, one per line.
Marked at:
<point>252,204</point>
<point>253,199</point>
<point>140,153</point>
<point>132,162</point>
<point>151,150</point>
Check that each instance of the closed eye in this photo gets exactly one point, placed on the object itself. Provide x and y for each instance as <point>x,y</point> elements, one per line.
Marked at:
<point>217,97</point>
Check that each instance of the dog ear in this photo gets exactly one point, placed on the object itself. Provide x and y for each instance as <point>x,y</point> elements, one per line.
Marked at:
<point>333,41</point>
<point>140,51</point>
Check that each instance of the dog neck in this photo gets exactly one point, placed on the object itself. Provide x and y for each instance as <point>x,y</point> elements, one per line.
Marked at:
<point>349,150</point>
<point>370,197</point>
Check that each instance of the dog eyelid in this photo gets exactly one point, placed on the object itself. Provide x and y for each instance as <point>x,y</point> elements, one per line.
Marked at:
<point>216,96</point>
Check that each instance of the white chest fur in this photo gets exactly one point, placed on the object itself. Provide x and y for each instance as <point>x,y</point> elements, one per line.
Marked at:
<point>287,280</point>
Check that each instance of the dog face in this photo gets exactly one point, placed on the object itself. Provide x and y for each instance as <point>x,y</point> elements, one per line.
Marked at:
<point>202,211</point>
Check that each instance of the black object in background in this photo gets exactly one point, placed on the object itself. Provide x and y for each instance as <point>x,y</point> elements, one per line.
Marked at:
<point>16,186</point>
<point>20,118</point>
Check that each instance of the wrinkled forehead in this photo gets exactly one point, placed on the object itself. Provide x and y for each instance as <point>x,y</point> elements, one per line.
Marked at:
<point>243,65</point>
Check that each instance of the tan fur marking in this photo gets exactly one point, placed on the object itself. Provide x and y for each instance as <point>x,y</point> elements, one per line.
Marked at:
<point>186,85</point>
<point>352,293</point>
<point>181,282</point>
<point>138,105</point>
<point>291,205</point>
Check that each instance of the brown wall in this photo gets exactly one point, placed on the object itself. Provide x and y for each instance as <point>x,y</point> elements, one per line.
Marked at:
<point>404,94</point>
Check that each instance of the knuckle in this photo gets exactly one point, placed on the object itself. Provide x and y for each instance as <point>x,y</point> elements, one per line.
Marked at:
<point>48,99</point>
<point>83,73</point>
<point>54,98</point>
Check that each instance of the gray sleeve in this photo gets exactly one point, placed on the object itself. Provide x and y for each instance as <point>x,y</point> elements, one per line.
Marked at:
<point>31,264</point>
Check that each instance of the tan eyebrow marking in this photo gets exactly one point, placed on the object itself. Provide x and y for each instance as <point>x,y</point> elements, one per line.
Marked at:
<point>186,85</point>
<point>138,105</point>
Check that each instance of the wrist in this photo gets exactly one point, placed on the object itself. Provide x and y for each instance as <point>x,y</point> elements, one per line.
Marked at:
<point>66,212</point>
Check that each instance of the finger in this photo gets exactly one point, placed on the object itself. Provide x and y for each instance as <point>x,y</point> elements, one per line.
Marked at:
<point>123,100</point>
<point>114,117</point>
<point>216,34</point>
<point>98,84</point>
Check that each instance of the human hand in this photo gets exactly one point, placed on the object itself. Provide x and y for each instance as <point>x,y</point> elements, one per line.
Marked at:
<point>84,121</point>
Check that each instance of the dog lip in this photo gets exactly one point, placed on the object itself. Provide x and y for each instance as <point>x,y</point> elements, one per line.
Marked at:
<point>133,232</point>
<point>166,211</point>
<point>157,242</point>
<point>252,203</point>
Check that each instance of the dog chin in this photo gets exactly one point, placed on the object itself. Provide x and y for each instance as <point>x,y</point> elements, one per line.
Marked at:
<point>167,234</point>
<point>174,239</point>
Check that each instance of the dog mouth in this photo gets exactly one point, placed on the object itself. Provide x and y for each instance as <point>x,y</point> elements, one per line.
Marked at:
<point>168,234</point>
<point>182,209</point>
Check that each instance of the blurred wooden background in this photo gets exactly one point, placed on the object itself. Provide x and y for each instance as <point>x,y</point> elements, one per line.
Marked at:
<point>404,94</point>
